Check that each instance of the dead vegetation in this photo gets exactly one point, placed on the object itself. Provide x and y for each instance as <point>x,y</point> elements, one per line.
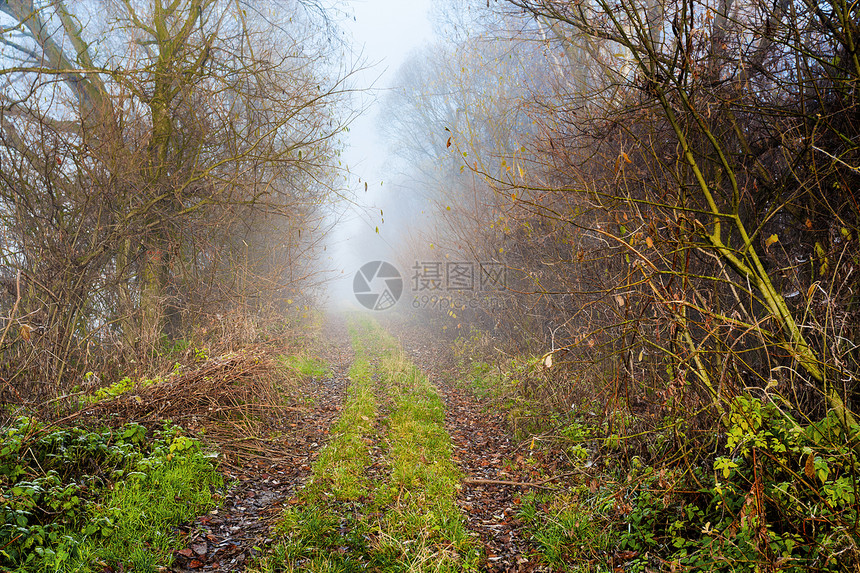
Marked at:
<point>238,402</point>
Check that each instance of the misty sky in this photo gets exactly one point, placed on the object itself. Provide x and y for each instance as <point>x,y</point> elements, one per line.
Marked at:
<point>385,31</point>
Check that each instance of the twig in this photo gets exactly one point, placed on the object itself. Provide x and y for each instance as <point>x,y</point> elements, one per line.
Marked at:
<point>537,484</point>
<point>14,307</point>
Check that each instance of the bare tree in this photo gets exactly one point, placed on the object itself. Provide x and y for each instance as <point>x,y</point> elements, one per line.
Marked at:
<point>138,138</point>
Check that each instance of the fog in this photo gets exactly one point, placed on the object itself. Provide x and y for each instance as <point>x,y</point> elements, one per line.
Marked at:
<point>383,33</point>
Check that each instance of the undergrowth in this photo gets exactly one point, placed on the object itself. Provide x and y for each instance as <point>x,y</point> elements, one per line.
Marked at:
<point>778,494</point>
<point>769,490</point>
<point>75,499</point>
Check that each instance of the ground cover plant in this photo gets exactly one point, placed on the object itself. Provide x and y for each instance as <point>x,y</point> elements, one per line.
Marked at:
<point>77,499</point>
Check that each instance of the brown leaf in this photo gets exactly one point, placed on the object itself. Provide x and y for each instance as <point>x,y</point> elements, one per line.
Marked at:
<point>626,555</point>
<point>809,468</point>
<point>187,552</point>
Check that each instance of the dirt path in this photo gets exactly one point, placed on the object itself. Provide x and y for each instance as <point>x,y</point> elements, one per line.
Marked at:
<point>226,538</point>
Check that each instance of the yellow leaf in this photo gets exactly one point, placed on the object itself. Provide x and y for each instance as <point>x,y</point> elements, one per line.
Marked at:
<point>25,331</point>
<point>649,242</point>
<point>771,240</point>
<point>626,158</point>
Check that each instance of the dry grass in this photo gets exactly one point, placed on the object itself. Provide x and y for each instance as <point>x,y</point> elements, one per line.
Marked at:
<point>240,401</point>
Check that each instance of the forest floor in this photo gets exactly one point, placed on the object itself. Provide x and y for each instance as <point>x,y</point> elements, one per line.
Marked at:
<point>354,463</point>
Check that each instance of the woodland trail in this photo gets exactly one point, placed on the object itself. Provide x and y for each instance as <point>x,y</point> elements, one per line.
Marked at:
<point>386,466</point>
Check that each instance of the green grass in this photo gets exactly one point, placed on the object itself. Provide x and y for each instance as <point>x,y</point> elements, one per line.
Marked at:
<point>340,467</point>
<point>425,515</point>
<point>78,500</point>
<point>306,366</point>
<point>568,533</point>
<point>145,506</point>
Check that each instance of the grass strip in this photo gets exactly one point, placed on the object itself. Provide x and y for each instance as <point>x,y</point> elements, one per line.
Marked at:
<point>325,529</point>
<point>424,525</point>
<point>339,471</point>
<point>346,521</point>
